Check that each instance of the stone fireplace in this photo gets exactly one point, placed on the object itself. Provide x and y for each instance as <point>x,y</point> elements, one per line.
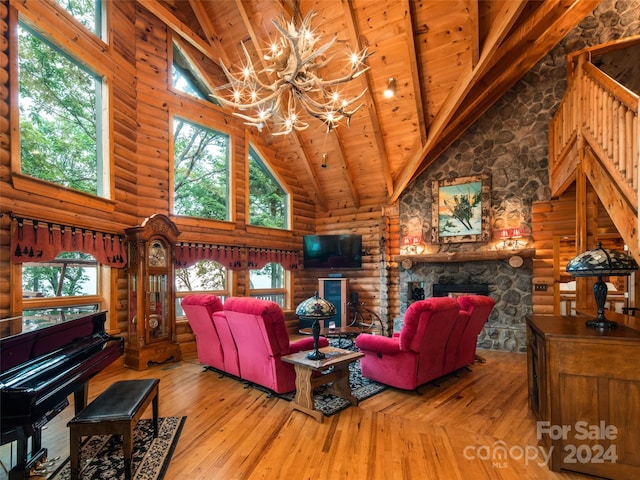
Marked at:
<point>509,287</point>
<point>456,289</point>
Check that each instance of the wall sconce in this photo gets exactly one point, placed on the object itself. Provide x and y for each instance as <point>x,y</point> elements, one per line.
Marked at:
<point>510,238</point>
<point>324,160</point>
<point>390,91</point>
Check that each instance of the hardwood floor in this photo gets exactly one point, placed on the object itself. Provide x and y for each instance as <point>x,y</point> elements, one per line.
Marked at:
<point>233,432</point>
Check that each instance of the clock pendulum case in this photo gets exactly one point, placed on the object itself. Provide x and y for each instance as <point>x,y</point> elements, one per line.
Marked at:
<point>151,273</point>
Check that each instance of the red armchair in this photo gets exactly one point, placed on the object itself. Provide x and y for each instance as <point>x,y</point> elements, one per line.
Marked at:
<point>479,308</point>
<point>199,310</point>
<point>417,354</point>
<point>260,333</point>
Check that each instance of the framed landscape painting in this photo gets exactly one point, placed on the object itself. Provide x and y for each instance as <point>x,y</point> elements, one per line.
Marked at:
<point>461,209</point>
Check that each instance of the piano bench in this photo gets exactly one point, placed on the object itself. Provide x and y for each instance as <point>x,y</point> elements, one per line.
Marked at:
<point>114,412</point>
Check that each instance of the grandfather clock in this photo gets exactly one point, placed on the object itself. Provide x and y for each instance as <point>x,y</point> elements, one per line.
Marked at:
<point>152,318</point>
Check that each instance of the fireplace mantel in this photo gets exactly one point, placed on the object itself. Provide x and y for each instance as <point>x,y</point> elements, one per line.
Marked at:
<point>459,257</point>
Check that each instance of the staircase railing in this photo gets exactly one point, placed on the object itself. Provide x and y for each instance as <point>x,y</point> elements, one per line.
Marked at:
<point>610,125</point>
<point>605,113</point>
<point>596,129</point>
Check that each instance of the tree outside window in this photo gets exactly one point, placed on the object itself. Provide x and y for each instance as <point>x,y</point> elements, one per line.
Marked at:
<point>59,104</point>
<point>268,283</point>
<point>87,12</point>
<point>267,199</point>
<point>201,171</point>
<point>204,276</point>
<point>70,274</point>
<point>60,289</point>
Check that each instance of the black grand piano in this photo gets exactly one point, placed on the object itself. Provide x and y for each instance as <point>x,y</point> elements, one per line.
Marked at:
<point>39,370</point>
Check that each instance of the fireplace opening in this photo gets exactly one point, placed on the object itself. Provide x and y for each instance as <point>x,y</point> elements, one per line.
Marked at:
<point>455,290</point>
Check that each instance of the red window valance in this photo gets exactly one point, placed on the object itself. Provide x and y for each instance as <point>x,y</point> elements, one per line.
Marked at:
<point>38,241</point>
<point>187,254</point>
<point>259,257</point>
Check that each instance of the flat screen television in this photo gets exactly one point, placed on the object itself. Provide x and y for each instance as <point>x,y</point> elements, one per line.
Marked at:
<point>332,251</point>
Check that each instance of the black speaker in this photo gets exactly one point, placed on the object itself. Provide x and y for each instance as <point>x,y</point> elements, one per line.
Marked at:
<point>353,298</point>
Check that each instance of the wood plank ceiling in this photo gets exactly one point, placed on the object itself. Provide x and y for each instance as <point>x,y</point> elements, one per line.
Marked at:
<point>452,60</point>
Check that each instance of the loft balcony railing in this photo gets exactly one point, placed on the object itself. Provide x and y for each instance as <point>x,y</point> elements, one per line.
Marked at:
<point>596,129</point>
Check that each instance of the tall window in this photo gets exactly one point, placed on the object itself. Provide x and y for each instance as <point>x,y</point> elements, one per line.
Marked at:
<point>201,171</point>
<point>87,12</point>
<point>60,289</point>
<point>203,277</point>
<point>267,199</point>
<point>268,283</point>
<point>60,108</point>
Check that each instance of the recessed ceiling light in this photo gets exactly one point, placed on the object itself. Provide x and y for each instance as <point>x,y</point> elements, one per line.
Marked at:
<point>390,91</point>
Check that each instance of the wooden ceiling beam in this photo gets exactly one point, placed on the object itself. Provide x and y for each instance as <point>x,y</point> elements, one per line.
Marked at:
<point>416,70</point>
<point>549,24</point>
<point>372,108</point>
<point>508,15</point>
<point>183,30</point>
<point>475,32</point>
<point>207,26</point>
<point>316,188</point>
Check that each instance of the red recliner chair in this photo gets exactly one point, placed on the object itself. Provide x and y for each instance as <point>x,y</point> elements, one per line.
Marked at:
<point>199,310</point>
<point>260,333</point>
<point>479,308</point>
<point>417,354</point>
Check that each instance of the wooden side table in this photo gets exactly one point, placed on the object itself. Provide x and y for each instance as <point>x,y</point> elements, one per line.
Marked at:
<point>306,381</point>
<point>583,391</point>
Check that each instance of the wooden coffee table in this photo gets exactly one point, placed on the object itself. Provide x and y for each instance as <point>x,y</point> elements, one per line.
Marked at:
<point>306,381</point>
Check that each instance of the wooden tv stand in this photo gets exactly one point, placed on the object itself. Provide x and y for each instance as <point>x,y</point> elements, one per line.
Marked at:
<point>587,382</point>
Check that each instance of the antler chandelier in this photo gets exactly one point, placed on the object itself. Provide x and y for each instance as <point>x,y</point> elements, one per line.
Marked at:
<point>290,82</point>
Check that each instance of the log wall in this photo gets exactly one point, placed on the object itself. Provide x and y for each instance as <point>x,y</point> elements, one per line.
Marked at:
<point>555,230</point>
<point>136,65</point>
<point>372,282</point>
<point>5,159</point>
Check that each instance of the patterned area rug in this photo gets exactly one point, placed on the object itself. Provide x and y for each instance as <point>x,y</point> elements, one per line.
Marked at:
<point>101,456</point>
<point>361,388</point>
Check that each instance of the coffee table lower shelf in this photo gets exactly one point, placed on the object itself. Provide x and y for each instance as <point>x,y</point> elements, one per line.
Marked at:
<point>306,381</point>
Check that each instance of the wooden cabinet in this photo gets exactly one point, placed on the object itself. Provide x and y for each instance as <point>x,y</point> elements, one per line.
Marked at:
<point>152,319</point>
<point>336,291</point>
<point>584,390</point>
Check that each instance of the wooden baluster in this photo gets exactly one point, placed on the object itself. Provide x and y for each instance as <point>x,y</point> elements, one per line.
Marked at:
<point>600,117</point>
<point>594,105</point>
<point>606,122</point>
<point>628,124</point>
<point>615,135</point>
<point>633,160</point>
